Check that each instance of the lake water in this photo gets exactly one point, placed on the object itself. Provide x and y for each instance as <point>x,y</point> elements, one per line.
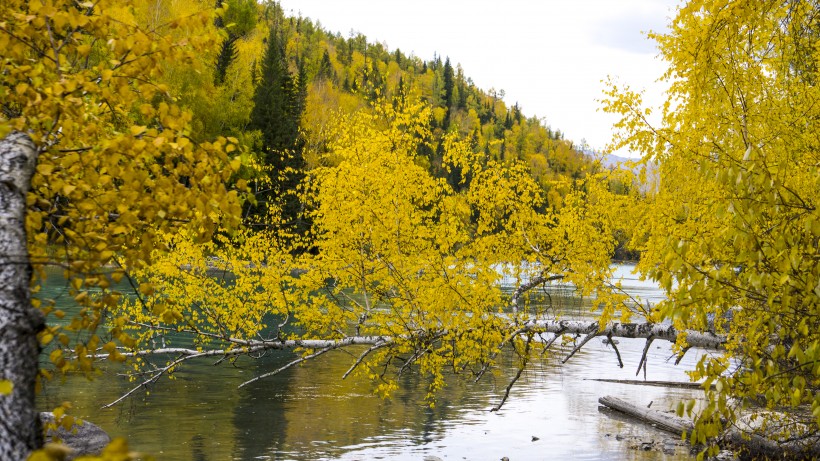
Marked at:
<point>311,413</point>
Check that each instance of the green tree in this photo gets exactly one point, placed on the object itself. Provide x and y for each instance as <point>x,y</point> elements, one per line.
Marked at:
<point>238,19</point>
<point>326,68</point>
<point>278,107</point>
<point>449,86</point>
<point>227,54</point>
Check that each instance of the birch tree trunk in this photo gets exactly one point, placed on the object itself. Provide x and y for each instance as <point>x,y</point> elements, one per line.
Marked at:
<point>20,430</point>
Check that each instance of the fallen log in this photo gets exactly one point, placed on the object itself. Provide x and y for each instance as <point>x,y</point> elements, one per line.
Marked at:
<point>239,346</point>
<point>746,440</point>
<point>638,382</point>
<point>667,332</point>
<point>670,423</point>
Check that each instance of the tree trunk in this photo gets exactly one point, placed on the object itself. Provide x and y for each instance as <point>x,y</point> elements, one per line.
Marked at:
<point>20,430</point>
<point>667,332</point>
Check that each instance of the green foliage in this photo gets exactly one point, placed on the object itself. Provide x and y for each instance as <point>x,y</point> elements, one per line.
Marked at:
<point>240,18</point>
<point>278,106</point>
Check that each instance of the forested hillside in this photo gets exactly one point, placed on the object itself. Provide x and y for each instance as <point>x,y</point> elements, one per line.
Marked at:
<point>304,76</point>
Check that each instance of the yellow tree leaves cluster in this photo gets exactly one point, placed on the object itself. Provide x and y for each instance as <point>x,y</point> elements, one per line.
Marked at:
<point>117,169</point>
<point>733,230</point>
<point>400,262</point>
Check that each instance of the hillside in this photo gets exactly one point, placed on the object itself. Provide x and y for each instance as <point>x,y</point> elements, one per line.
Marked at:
<point>332,73</point>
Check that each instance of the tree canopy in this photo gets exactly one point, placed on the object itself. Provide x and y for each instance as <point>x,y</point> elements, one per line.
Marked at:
<point>732,227</point>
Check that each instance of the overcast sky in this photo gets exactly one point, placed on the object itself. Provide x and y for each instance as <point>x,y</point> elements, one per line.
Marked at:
<point>549,56</point>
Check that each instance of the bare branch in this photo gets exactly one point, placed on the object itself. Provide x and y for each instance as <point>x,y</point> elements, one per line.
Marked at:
<point>288,365</point>
<point>580,345</point>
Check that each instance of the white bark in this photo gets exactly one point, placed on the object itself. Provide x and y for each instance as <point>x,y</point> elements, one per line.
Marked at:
<point>706,340</point>
<point>20,431</point>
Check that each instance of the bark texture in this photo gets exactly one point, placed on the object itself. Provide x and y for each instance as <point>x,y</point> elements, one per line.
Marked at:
<point>704,339</point>
<point>664,421</point>
<point>20,430</point>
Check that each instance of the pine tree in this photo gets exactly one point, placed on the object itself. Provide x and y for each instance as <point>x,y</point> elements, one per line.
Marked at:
<point>278,105</point>
<point>326,68</point>
<point>449,86</point>
<point>227,54</point>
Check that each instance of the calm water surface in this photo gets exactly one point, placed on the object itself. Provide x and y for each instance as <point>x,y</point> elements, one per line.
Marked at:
<point>310,413</point>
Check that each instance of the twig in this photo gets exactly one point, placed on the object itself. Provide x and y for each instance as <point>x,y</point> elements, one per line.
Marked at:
<point>529,286</point>
<point>290,364</point>
<point>615,348</point>
<point>517,375</point>
<point>361,359</point>
<point>549,344</point>
<point>152,379</point>
<point>643,361</point>
<point>579,346</point>
<point>682,353</point>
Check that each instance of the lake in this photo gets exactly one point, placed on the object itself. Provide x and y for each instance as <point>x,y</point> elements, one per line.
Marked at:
<point>310,413</point>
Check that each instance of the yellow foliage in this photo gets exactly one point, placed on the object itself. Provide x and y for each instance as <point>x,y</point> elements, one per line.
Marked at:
<point>732,232</point>
<point>117,168</point>
<point>396,253</point>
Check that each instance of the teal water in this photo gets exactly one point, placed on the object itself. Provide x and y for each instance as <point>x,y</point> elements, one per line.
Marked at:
<point>310,413</point>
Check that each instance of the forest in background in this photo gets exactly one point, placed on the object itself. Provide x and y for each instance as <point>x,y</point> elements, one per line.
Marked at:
<point>322,73</point>
<point>168,140</point>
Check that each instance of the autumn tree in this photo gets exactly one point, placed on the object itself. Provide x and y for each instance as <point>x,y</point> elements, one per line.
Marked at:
<point>732,231</point>
<point>404,265</point>
<point>82,92</point>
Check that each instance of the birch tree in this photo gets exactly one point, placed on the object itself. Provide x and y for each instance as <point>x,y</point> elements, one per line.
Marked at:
<point>733,229</point>
<point>81,92</point>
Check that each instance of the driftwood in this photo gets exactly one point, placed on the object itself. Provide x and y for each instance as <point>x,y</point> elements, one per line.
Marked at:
<point>638,382</point>
<point>745,440</point>
<point>670,423</point>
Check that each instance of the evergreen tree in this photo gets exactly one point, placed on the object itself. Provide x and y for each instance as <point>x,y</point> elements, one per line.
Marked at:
<point>449,86</point>
<point>326,68</point>
<point>278,105</point>
<point>238,21</point>
<point>461,89</point>
<point>227,54</point>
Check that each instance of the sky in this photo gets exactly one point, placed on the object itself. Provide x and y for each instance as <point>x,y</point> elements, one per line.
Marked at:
<point>549,56</point>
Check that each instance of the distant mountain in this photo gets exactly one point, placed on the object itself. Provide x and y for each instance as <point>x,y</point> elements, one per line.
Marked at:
<point>614,161</point>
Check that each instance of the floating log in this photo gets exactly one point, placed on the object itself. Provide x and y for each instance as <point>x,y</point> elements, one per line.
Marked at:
<point>667,422</point>
<point>639,382</point>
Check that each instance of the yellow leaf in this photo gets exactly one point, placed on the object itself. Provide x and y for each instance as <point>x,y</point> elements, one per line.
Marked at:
<point>45,169</point>
<point>6,387</point>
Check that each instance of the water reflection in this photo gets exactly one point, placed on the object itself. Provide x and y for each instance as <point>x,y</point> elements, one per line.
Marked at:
<point>310,413</point>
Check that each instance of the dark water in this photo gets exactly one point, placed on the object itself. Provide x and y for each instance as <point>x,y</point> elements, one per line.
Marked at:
<point>310,413</point>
